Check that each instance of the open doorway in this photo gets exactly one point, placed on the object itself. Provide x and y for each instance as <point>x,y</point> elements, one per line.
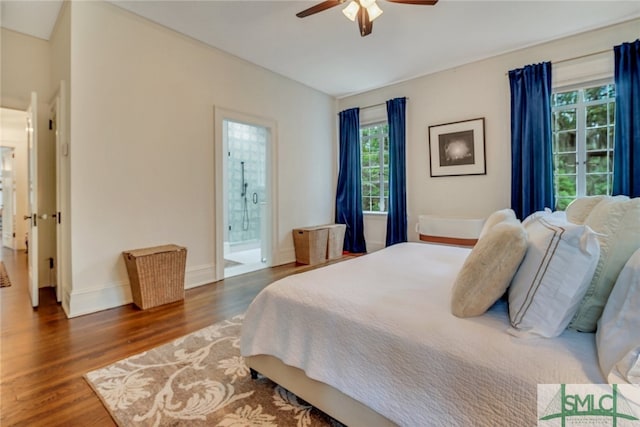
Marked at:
<point>244,193</point>
<point>13,161</point>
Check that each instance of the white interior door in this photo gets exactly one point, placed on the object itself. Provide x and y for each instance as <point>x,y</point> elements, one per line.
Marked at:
<point>32,139</point>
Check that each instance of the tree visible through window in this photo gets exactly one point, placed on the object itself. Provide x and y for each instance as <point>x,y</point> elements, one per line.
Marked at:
<point>583,125</point>
<point>374,151</point>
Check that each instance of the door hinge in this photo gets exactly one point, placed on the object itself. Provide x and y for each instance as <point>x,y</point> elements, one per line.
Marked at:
<point>50,124</point>
<point>14,235</point>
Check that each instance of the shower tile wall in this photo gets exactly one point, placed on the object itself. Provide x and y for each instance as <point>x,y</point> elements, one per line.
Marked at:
<point>245,144</point>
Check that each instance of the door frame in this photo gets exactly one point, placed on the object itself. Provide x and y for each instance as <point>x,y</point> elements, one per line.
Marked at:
<point>58,116</point>
<point>220,204</point>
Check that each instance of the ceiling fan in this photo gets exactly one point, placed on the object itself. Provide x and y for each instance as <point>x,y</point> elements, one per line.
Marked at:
<point>365,10</point>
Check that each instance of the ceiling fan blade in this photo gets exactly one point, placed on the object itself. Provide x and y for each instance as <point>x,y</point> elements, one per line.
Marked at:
<point>328,4</point>
<point>364,23</point>
<point>418,2</point>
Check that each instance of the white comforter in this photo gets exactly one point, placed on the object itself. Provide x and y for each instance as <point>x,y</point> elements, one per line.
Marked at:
<point>379,328</point>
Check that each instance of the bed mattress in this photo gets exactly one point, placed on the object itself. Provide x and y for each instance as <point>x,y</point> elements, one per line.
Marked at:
<point>379,329</point>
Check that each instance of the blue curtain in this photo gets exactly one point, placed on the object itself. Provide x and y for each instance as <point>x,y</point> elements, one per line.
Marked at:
<point>626,149</point>
<point>531,140</point>
<point>397,209</point>
<point>349,192</point>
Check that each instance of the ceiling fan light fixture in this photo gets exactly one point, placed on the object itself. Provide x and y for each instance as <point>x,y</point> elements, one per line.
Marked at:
<point>366,3</point>
<point>351,11</point>
<point>374,11</point>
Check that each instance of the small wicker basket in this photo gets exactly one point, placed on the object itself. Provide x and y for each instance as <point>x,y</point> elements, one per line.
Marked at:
<point>156,274</point>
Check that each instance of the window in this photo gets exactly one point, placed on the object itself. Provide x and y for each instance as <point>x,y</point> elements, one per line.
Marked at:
<point>374,155</point>
<point>583,124</point>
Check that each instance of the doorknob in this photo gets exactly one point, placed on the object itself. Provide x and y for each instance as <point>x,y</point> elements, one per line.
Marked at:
<point>34,218</point>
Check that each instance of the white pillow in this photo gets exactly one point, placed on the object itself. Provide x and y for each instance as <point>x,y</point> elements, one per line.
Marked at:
<point>579,209</point>
<point>546,213</point>
<point>489,268</point>
<point>553,277</point>
<point>618,335</point>
<point>617,222</point>
<point>496,218</point>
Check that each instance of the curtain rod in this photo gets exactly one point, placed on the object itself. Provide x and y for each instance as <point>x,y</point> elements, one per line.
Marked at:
<point>586,55</point>
<point>378,104</point>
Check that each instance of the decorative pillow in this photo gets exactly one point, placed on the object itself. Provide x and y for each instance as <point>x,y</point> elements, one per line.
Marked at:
<point>489,268</point>
<point>618,335</point>
<point>495,218</point>
<point>557,215</point>
<point>553,277</point>
<point>579,209</point>
<point>618,223</point>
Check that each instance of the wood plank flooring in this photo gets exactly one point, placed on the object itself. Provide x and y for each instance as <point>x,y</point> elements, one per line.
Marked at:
<point>44,355</point>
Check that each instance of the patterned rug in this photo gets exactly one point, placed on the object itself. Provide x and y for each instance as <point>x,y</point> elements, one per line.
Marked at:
<point>198,380</point>
<point>4,277</point>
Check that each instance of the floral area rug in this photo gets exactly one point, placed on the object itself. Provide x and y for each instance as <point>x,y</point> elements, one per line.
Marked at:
<point>4,277</point>
<point>198,380</point>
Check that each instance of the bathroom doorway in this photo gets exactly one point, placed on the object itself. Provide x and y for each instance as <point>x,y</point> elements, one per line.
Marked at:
<point>246,149</point>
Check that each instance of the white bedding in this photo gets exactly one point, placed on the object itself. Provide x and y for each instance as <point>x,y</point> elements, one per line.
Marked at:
<point>379,329</point>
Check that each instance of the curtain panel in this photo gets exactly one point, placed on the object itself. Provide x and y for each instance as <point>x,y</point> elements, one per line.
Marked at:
<point>626,148</point>
<point>531,139</point>
<point>349,191</point>
<point>397,208</point>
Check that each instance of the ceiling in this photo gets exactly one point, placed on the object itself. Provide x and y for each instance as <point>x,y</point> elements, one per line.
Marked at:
<point>325,51</point>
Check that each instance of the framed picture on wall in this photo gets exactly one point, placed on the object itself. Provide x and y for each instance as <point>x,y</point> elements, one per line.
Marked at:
<point>457,148</point>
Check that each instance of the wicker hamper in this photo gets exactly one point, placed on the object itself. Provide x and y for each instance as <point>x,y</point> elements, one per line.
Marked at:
<point>156,274</point>
<point>335,242</point>
<point>310,244</point>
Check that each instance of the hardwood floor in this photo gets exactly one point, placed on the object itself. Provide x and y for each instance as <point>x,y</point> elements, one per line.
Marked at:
<point>44,355</point>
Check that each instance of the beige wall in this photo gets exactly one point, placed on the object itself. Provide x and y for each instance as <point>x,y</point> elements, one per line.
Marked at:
<point>26,67</point>
<point>142,147</point>
<point>480,89</point>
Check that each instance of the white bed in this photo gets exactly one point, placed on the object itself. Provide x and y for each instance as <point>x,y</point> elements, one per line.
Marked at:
<point>379,329</point>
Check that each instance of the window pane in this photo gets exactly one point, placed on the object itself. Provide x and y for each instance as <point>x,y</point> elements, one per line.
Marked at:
<point>596,93</point>
<point>597,139</point>
<point>597,162</point>
<point>597,184</point>
<point>565,120</point>
<point>375,189</point>
<point>597,115</point>
<point>375,205</point>
<point>566,141</point>
<point>565,98</point>
<point>565,163</point>
<point>566,185</point>
<point>612,112</point>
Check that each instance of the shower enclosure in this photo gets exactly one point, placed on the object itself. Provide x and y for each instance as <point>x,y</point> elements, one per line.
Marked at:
<point>246,197</point>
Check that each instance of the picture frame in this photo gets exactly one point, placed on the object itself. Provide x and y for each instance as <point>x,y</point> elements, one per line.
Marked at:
<point>457,148</point>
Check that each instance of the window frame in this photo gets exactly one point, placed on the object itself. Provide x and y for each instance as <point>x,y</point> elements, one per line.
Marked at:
<point>383,197</point>
<point>581,129</point>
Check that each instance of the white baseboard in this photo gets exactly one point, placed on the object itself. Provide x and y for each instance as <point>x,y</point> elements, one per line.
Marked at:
<point>199,275</point>
<point>116,294</point>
